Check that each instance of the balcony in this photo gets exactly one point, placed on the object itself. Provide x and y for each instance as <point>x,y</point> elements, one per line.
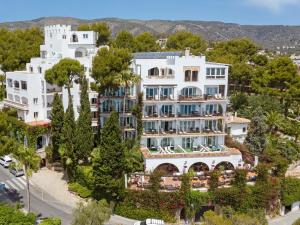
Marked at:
<point>214,97</point>
<point>190,98</point>
<point>151,115</point>
<point>167,98</point>
<point>167,115</point>
<point>51,90</point>
<point>189,114</point>
<point>152,98</point>
<point>15,105</point>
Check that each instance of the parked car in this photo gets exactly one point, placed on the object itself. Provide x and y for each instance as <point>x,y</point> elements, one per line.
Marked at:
<point>5,161</point>
<point>17,172</point>
<point>150,222</point>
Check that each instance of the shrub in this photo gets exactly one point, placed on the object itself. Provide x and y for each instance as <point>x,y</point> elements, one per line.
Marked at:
<point>12,215</point>
<point>143,213</point>
<point>51,221</point>
<point>82,191</point>
<point>290,190</point>
<point>84,176</point>
<point>297,222</point>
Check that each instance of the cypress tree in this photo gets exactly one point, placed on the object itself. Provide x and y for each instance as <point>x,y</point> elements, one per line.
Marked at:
<point>68,140</point>
<point>57,118</point>
<point>108,162</point>
<point>84,133</point>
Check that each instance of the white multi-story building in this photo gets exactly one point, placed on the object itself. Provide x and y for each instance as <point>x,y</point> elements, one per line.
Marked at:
<point>184,105</point>
<point>237,127</point>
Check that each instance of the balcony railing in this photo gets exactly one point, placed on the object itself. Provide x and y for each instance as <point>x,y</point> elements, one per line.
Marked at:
<point>190,98</point>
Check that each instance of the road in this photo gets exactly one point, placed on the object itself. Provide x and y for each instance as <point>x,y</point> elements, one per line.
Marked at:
<point>288,219</point>
<point>42,203</point>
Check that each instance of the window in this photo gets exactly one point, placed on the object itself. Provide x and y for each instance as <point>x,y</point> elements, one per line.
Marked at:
<point>31,69</point>
<point>222,71</point>
<point>195,75</point>
<point>35,100</point>
<point>17,98</point>
<point>85,36</point>
<point>208,71</point>
<point>40,69</point>
<point>23,85</point>
<point>10,82</point>
<point>213,71</point>
<point>187,75</point>
<point>153,72</point>
<point>244,129</point>
<point>16,84</point>
<point>218,71</point>
<point>94,101</point>
<point>74,38</point>
<point>35,115</point>
<point>64,36</point>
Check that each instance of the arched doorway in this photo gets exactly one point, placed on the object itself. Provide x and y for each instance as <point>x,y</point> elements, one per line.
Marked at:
<point>224,166</point>
<point>199,167</point>
<point>167,169</point>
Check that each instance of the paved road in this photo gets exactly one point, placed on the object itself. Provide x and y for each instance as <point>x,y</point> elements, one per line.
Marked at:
<point>42,203</point>
<point>286,220</point>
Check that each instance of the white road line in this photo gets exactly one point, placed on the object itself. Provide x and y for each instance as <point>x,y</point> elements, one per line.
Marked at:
<point>16,182</point>
<point>24,179</point>
<point>10,184</point>
<point>21,180</point>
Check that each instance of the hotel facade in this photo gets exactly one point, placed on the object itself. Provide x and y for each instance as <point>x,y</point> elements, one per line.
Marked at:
<point>184,101</point>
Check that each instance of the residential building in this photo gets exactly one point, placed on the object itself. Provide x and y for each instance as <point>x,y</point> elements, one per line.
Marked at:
<point>184,111</point>
<point>237,127</point>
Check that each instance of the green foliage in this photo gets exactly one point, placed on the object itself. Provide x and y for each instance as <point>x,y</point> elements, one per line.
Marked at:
<point>84,137</point>
<point>240,178</point>
<point>138,113</point>
<point>102,29</point>
<point>125,39</point>
<point>82,191</point>
<point>143,214</point>
<point>64,73</point>
<point>211,218</point>
<point>109,162</point>
<point>67,149</point>
<point>51,221</point>
<point>233,51</point>
<point>297,222</point>
<point>214,180</point>
<point>185,192</point>
<point>10,215</point>
<point>107,66</point>
<point>146,42</point>
<point>84,176</point>
<point>18,46</point>
<point>57,118</point>
<point>290,190</point>
<point>92,213</point>
<point>133,159</point>
<point>240,76</point>
<point>183,39</point>
<point>256,137</point>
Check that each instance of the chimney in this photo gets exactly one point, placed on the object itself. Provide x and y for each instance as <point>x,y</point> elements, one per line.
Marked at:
<point>187,51</point>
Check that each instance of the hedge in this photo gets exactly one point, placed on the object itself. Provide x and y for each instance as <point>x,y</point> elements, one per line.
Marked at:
<point>290,190</point>
<point>12,215</point>
<point>82,191</point>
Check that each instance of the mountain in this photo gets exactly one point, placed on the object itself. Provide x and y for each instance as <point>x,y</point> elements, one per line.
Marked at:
<point>274,37</point>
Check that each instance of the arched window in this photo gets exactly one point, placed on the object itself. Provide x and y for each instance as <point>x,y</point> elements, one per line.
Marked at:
<point>153,72</point>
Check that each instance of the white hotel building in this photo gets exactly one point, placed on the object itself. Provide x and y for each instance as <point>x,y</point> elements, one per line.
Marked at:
<point>184,105</point>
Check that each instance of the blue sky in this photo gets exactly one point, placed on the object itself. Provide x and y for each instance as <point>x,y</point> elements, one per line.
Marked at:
<point>237,11</point>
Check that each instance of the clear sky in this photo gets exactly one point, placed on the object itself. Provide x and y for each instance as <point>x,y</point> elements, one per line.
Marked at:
<point>237,11</point>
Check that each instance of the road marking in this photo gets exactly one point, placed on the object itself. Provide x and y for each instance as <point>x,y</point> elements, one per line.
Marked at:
<point>16,182</point>
<point>21,180</point>
<point>24,179</point>
<point>10,184</point>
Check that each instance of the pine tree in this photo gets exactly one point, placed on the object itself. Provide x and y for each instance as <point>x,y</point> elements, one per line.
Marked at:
<point>256,137</point>
<point>84,133</point>
<point>57,118</point>
<point>108,162</point>
<point>68,139</point>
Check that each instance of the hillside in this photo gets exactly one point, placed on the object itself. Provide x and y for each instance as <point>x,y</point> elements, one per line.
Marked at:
<point>267,36</point>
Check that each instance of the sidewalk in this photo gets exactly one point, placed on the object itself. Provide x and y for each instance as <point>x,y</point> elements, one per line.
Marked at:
<point>288,219</point>
<point>54,184</point>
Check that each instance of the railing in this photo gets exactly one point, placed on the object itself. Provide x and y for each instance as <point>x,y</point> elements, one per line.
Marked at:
<point>190,98</point>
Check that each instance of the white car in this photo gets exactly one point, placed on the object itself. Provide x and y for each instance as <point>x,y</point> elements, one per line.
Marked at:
<point>150,222</point>
<point>5,161</point>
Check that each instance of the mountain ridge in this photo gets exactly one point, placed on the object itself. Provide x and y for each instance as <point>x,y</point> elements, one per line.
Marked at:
<point>267,36</point>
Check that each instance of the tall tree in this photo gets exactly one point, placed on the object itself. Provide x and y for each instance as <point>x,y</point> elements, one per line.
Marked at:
<point>108,162</point>
<point>125,39</point>
<point>65,73</point>
<point>183,39</point>
<point>94,213</point>
<point>84,133</point>
<point>126,79</point>
<point>30,162</point>
<point>57,120</point>
<point>146,42</point>
<point>107,66</point>
<point>102,29</point>
<point>256,137</point>
<point>68,148</point>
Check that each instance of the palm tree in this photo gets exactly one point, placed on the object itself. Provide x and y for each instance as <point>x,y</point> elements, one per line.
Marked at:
<point>126,79</point>
<point>274,121</point>
<point>27,158</point>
